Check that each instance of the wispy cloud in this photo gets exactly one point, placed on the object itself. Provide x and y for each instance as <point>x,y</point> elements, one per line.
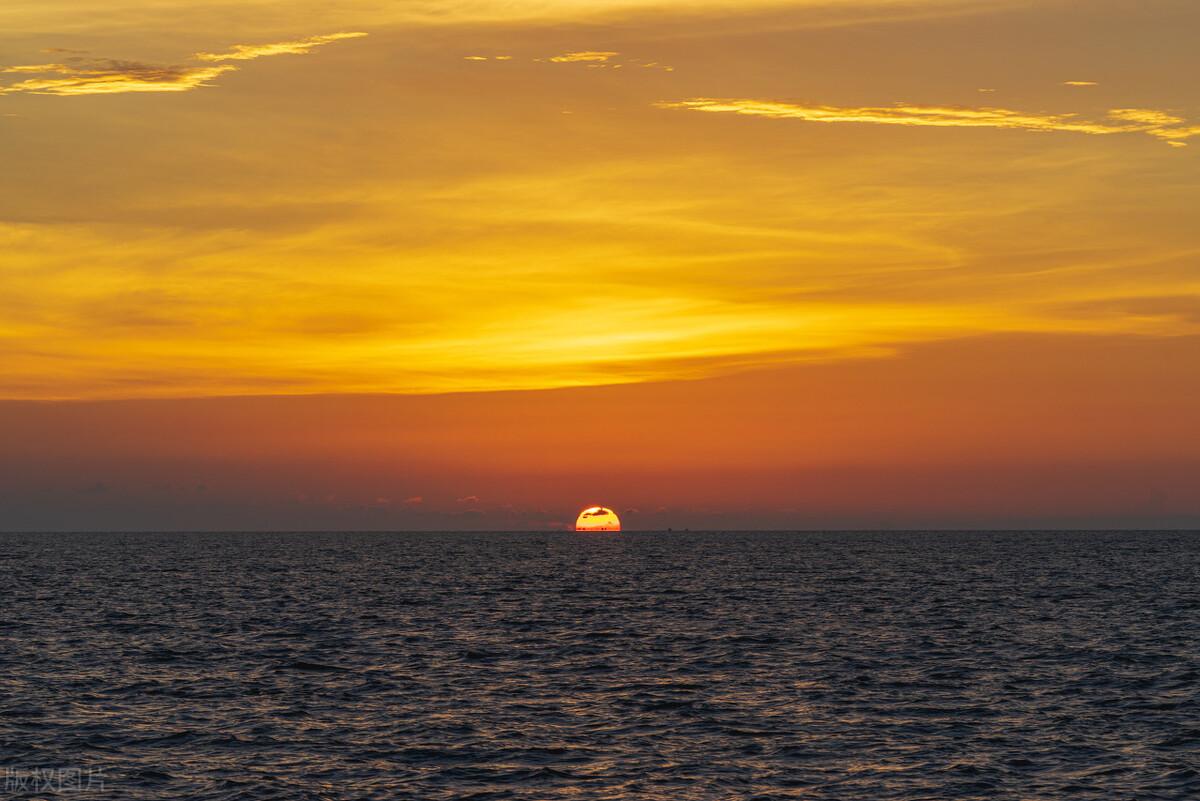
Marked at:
<point>92,76</point>
<point>243,52</point>
<point>1159,124</point>
<point>80,77</point>
<point>652,65</point>
<point>1146,116</point>
<point>1080,83</point>
<point>584,56</point>
<point>594,59</point>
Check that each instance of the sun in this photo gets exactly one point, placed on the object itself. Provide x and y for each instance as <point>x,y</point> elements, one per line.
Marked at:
<point>598,518</point>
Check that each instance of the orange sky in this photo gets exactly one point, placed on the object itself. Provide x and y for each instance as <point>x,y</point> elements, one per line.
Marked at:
<point>1009,431</point>
<point>424,264</point>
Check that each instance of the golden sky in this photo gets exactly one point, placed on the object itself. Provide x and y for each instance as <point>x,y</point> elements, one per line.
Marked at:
<point>256,198</point>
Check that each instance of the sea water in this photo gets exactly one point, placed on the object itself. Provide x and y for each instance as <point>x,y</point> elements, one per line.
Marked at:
<point>872,666</point>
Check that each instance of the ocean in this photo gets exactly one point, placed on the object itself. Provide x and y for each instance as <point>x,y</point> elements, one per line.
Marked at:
<point>544,666</point>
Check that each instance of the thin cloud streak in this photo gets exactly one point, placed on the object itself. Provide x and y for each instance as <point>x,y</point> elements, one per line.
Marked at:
<point>1152,122</point>
<point>584,56</point>
<point>84,76</point>
<point>109,77</point>
<point>595,59</point>
<point>243,52</point>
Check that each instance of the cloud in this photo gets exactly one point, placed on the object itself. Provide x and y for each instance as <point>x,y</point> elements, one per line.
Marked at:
<point>1184,307</point>
<point>654,65</point>
<point>1120,121</point>
<point>86,76</point>
<point>248,52</point>
<point>595,59</point>
<point>98,77</point>
<point>467,499</point>
<point>584,56</point>
<point>1146,116</point>
<point>1175,138</point>
<point>1080,83</point>
<point>597,512</point>
<point>415,500</point>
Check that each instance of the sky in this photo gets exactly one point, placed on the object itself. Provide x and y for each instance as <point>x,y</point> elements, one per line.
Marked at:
<point>712,264</point>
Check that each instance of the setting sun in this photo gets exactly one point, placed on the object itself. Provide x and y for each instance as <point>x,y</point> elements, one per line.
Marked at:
<point>598,518</point>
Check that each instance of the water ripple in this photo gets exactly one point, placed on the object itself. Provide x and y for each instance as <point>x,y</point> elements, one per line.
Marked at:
<point>640,666</point>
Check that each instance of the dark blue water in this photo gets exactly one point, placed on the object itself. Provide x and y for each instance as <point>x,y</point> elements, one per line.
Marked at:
<point>636,666</point>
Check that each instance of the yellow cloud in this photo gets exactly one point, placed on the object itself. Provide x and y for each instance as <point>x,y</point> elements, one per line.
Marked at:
<point>1147,116</point>
<point>1175,136</point>
<point>82,76</point>
<point>1080,83</point>
<point>109,77</point>
<point>1154,123</point>
<point>623,271</point>
<point>248,52</point>
<point>604,59</point>
<point>584,56</point>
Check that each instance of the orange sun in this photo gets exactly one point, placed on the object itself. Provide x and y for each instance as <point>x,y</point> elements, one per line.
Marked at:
<point>598,518</point>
